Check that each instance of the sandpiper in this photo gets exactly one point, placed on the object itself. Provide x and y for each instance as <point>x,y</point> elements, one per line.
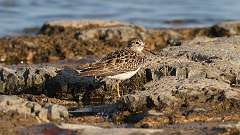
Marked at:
<point>119,65</point>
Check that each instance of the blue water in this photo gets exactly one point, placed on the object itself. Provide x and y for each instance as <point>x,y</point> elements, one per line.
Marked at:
<point>17,15</point>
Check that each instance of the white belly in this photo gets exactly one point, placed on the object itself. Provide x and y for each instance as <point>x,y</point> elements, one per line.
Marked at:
<point>123,76</point>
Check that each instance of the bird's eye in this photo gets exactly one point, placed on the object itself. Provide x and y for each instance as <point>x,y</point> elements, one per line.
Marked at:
<point>137,42</point>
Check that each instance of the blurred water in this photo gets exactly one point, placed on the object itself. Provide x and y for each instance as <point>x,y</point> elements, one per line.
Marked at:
<point>15,15</point>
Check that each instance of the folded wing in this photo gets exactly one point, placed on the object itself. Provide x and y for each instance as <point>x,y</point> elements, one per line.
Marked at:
<point>114,63</point>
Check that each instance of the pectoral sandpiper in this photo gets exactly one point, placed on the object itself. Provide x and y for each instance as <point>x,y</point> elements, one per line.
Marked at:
<point>119,65</point>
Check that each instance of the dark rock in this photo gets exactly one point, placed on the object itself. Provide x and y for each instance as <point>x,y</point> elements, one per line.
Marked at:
<point>217,31</point>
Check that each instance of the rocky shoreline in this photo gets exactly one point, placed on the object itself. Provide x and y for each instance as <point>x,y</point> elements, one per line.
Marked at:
<point>190,84</point>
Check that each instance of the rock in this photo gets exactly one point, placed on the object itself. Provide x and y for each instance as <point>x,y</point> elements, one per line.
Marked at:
<point>83,24</point>
<point>194,61</point>
<point>69,39</point>
<point>135,103</point>
<point>201,72</point>
<point>14,103</point>
<point>94,29</point>
<point>65,128</point>
<point>87,129</point>
<point>49,128</point>
<point>68,84</point>
<point>218,31</point>
<point>57,112</point>
<point>59,40</point>
<point>21,106</point>
<point>43,114</point>
<point>35,107</point>
<point>103,109</point>
<point>231,27</point>
<point>194,79</point>
<point>25,78</point>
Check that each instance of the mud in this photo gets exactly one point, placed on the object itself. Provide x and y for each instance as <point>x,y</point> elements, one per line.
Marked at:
<point>189,85</point>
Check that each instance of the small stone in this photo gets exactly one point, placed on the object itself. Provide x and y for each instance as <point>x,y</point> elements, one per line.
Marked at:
<point>135,103</point>
<point>57,112</point>
<point>35,107</point>
<point>43,114</point>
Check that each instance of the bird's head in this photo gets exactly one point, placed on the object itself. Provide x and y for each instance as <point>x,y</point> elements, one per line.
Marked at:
<point>136,44</point>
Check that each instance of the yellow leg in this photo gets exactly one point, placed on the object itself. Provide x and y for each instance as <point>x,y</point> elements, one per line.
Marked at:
<point>117,87</point>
